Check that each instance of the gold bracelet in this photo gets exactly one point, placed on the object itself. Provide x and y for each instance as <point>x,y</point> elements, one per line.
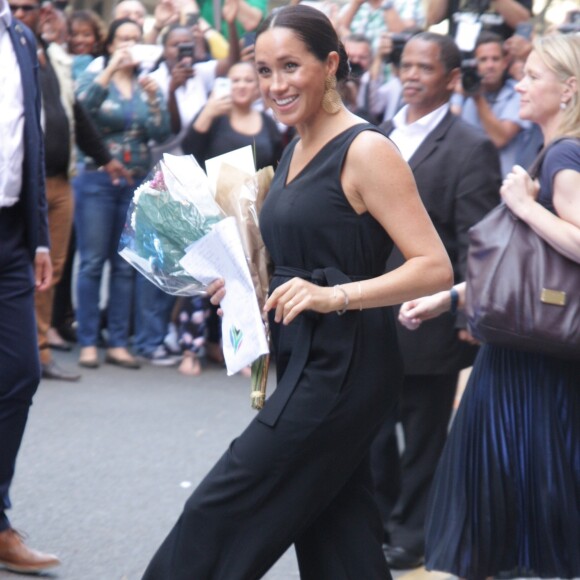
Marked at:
<point>360,297</point>
<point>346,300</point>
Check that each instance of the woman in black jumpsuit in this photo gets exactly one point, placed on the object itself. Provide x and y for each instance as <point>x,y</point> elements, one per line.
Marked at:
<point>299,473</point>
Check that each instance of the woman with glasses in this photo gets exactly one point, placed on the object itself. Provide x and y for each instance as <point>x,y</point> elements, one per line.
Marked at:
<point>130,112</point>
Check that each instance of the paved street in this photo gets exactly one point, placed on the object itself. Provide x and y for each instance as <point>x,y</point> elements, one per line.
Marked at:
<point>107,463</point>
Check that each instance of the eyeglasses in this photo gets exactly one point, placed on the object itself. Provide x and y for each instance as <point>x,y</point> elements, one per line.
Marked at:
<point>23,7</point>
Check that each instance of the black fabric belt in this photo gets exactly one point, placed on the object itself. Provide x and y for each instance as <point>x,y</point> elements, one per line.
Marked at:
<point>276,403</point>
<point>314,276</point>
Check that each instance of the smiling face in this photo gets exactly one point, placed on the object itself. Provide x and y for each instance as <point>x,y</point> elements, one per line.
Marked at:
<point>82,39</point>
<point>426,83</point>
<point>244,84</point>
<point>291,78</point>
<point>541,92</point>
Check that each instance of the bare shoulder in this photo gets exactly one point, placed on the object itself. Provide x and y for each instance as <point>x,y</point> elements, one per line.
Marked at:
<point>373,157</point>
<point>373,171</point>
<point>370,145</point>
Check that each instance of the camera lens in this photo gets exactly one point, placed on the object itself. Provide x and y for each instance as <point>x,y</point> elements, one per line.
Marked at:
<point>470,77</point>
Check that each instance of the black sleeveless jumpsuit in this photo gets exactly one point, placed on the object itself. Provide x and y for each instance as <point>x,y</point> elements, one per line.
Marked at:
<point>300,472</point>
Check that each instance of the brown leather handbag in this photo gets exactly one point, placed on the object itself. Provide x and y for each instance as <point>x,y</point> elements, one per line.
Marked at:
<point>521,293</point>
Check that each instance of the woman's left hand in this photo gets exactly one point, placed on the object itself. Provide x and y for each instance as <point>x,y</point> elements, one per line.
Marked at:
<point>519,191</point>
<point>298,295</point>
<point>216,292</point>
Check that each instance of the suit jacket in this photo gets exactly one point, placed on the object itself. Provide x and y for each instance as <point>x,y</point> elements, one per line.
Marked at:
<point>32,195</point>
<point>458,175</point>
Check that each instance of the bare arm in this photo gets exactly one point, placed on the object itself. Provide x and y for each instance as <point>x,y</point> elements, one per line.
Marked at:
<point>500,131</point>
<point>414,312</point>
<point>345,20</point>
<point>392,199</point>
<point>166,13</point>
<point>394,21</point>
<point>436,11</point>
<point>513,12</point>
<point>231,11</point>
<point>561,231</point>
<point>249,16</point>
<point>215,107</point>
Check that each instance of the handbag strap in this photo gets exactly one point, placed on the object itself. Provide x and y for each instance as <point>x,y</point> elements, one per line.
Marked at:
<point>536,165</point>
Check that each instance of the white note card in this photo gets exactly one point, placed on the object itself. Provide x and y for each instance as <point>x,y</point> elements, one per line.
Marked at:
<point>219,254</point>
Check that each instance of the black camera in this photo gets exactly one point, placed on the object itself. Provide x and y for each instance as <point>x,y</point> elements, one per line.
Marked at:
<point>356,70</point>
<point>185,50</point>
<point>399,41</point>
<point>470,77</point>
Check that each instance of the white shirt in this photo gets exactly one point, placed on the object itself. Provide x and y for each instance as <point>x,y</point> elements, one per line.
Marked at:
<point>12,116</point>
<point>408,137</point>
<point>191,96</point>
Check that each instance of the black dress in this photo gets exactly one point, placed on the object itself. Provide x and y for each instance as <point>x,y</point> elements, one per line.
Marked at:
<point>300,472</point>
<point>222,138</point>
<point>506,494</point>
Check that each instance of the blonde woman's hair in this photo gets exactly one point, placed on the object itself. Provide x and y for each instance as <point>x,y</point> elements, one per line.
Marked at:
<point>561,54</point>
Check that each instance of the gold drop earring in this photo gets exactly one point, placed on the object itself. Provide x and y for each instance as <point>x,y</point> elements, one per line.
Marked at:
<point>331,101</point>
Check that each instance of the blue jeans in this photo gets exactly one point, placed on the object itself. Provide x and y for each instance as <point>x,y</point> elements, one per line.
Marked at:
<point>100,213</point>
<point>152,313</point>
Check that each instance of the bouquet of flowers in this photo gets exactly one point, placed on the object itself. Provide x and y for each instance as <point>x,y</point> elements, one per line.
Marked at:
<point>165,217</point>
<point>171,217</point>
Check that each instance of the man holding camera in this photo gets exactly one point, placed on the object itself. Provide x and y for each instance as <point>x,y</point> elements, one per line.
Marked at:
<point>493,105</point>
<point>458,177</point>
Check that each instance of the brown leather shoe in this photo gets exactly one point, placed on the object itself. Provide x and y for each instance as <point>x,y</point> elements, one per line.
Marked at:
<point>17,557</point>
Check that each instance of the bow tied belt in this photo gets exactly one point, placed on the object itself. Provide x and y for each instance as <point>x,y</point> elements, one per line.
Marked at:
<point>307,321</point>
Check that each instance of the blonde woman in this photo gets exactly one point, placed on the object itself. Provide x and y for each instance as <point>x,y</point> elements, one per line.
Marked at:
<point>506,495</point>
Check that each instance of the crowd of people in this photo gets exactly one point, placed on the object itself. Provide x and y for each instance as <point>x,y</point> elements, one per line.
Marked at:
<point>388,142</point>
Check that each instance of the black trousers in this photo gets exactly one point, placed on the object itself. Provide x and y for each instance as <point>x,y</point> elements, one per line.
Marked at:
<point>304,478</point>
<point>19,363</point>
<point>402,480</point>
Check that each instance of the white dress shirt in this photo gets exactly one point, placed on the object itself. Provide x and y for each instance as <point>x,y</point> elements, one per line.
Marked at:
<point>12,116</point>
<point>409,136</point>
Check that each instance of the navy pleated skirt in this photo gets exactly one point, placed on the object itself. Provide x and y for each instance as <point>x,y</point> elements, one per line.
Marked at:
<point>506,494</point>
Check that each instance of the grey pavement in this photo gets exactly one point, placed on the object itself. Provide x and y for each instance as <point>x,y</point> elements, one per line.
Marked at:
<point>107,463</point>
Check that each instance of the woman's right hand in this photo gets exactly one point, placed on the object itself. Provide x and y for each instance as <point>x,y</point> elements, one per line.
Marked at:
<point>216,292</point>
<point>414,312</point>
<point>121,59</point>
<point>217,106</point>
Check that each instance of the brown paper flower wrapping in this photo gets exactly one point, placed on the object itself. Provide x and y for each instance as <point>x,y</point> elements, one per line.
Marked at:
<point>241,195</point>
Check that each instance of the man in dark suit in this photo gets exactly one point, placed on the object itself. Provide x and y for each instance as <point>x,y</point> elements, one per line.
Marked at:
<point>458,177</point>
<point>24,263</point>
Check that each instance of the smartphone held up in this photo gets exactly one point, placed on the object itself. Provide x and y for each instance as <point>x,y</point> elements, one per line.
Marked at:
<point>222,87</point>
